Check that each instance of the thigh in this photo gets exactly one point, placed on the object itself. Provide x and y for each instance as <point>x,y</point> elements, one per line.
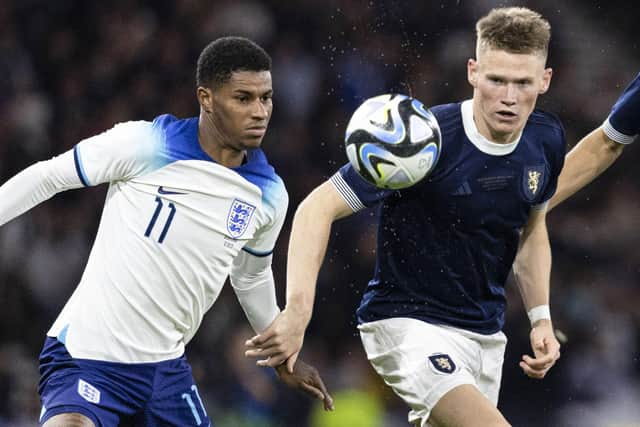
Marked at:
<point>493,348</point>
<point>465,406</point>
<point>69,420</point>
<point>99,391</point>
<point>419,361</point>
<point>176,400</point>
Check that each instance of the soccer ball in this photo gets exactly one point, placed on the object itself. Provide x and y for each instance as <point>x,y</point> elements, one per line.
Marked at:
<point>393,141</point>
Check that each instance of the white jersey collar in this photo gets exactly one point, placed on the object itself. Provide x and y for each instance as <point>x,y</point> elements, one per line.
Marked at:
<point>482,143</point>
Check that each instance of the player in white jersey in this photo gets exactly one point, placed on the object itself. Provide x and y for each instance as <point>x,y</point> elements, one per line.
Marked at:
<point>190,202</point>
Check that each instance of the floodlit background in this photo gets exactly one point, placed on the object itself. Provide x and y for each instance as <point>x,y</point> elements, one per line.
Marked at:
<point>70,69</point>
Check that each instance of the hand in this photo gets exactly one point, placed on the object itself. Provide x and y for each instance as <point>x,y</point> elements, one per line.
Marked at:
<point>546,350</point>
<point>280,342</point>
<point>306,379</point>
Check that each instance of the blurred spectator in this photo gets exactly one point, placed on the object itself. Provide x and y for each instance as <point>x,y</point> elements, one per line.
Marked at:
<point>71,69</point>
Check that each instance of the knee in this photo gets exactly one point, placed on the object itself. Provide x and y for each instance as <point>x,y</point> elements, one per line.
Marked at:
<point>69,420</point>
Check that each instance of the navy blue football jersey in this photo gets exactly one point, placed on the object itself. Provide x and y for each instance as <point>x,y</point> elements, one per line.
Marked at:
<point>446,245</point>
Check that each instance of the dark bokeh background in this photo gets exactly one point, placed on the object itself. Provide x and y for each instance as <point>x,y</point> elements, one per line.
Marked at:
<point>70,69</point>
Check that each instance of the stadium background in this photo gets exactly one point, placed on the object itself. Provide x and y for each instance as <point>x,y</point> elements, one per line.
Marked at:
<point>70,69</point>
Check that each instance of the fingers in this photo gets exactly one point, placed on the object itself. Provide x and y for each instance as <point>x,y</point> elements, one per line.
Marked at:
<point>539,366</point>
<point>260,339</point>
<point>319,389</point>
<point>291,362</point>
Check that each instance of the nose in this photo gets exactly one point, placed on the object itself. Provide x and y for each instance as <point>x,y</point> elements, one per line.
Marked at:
<point>260,110</point>
<point>509,98</point>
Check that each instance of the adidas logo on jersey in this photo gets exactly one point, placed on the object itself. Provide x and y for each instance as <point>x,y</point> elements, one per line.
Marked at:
<point>88,392</point>
<point>463,190</point>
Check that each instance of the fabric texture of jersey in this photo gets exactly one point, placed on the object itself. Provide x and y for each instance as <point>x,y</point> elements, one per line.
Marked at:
<point>173,225</point>
<point>623,124</point>
<point>446,245</point>
<point>108,393</point>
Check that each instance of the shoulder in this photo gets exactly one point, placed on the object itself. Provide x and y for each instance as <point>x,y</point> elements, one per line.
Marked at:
<point>170,125</point>
<point>447,114</point>
<point>548,127</point>
<point>258,171</point>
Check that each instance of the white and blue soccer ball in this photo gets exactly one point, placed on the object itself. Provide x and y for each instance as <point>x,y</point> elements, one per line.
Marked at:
<point>393,141</point>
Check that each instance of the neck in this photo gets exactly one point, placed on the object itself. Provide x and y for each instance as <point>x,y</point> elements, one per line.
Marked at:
<point>216,145</point>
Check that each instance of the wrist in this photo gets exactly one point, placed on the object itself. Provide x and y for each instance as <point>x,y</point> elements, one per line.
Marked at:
<point>540,313</point>
<point>300,308</point>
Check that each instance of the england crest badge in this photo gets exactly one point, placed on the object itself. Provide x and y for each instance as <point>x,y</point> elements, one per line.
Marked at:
<point>532,181</point>
<point>239,217</point>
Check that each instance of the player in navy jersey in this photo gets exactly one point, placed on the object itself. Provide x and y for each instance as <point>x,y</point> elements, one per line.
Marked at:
<point>190,203</point>
<point>431,317</point>
<point>598,150</point>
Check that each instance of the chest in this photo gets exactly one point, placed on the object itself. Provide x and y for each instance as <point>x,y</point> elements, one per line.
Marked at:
<point>473,189</point>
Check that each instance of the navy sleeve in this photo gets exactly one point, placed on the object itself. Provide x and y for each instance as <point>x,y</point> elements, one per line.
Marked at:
<point>555,160</point>
<point>623,124</point>
<point>356,191</point>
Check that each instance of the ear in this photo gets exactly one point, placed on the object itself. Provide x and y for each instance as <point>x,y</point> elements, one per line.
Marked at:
<point>546,80</point>
<point>472,72</point>
<point>205,98</point>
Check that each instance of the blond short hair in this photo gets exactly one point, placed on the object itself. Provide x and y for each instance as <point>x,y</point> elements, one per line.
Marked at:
<point>514,30</point>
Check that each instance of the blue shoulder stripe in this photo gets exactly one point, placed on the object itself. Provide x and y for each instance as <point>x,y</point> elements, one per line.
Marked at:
<point>256,253</point>
<point>79,168</point>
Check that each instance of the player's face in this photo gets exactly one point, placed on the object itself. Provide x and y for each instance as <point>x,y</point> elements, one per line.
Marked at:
<point>506,87</point>
<point>241,108</point>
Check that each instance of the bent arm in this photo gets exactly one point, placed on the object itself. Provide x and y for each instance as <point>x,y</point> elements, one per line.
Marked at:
<point>308,245</point>
<point>253,284</point>
<point>592,156</point>
<point>36,184</point>
<point>532,266</point>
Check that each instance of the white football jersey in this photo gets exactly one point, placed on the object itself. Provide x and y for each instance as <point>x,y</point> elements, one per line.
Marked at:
<point>173,223</point>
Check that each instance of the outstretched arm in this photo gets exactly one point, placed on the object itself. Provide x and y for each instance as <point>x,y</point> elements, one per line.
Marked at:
<point>592,156</point>
<point>598,150</point>
<point>532,270</point>
<point>283,339</point>
<point>36,184</point>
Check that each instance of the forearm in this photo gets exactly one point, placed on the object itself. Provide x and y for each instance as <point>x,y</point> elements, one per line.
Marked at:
<point>588,159</point>
<point>532,267</point>
<point>253,284</point>
<point>36,184</point>
<point>308,245</point>
<point>307,248</point>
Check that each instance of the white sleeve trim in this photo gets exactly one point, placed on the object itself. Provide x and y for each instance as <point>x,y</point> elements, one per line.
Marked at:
<point>615,135</point>
<point>346,192</point>
<point>253,284</point>
<point>36,184</point>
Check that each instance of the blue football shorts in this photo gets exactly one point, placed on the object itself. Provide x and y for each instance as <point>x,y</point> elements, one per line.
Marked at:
<point>115,394</point>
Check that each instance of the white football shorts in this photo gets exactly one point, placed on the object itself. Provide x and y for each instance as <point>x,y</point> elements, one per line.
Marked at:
<point>421,361</point>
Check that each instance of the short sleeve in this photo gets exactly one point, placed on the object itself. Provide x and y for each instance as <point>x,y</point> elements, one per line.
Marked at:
<point>355,190</point>
<point>623,124</point>
<point>122,152</point>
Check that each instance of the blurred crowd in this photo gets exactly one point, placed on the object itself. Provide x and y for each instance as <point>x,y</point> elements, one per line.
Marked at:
<point>70,69</point>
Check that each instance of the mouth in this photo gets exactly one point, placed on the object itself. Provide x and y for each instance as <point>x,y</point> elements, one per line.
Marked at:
<point>257,130</point>
<point>507,115</point>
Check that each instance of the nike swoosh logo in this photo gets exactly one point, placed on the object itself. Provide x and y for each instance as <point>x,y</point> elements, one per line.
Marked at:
<point>161,190</point>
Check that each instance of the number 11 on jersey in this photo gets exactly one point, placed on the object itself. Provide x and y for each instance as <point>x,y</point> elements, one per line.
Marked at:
<point>154,218</point>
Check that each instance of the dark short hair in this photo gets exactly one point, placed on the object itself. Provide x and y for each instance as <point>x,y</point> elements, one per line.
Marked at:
<point>225,55</point>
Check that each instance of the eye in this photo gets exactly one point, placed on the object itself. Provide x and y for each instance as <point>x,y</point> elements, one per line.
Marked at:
<point>266,98</point>
<point>242,98</point>
<point>496,80</point>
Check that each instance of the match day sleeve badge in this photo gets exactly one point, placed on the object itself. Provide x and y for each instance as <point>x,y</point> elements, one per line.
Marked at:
<point>532,181</point>
<point>442,363</point>
<point>239,217</point>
